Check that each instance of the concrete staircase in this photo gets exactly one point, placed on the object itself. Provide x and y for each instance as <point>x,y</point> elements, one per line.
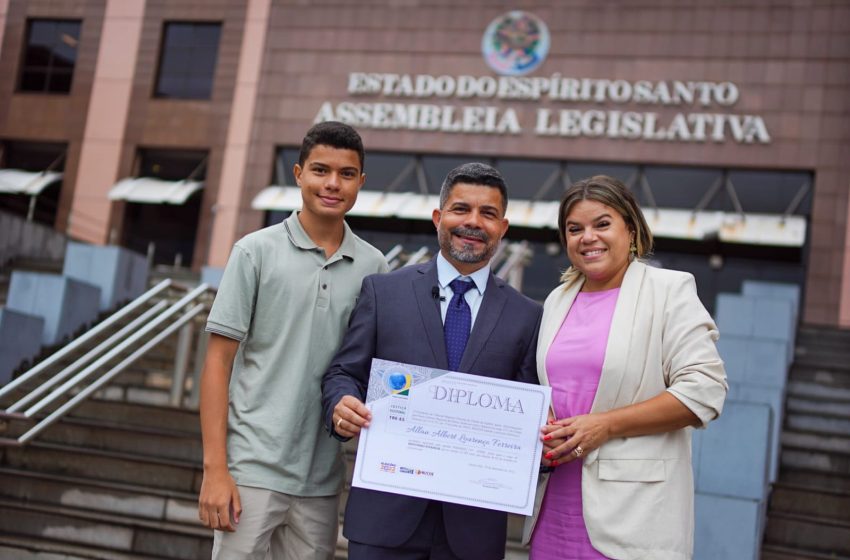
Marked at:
<point>118,477</point>
<point>809,510</point>
<point>115,479</point>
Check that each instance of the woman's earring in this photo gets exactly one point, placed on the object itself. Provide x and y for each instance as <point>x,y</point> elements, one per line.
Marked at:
<point>633,248</point>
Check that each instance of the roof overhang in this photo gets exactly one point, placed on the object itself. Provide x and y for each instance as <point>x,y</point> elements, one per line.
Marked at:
<point>30,183</point>
<point>752,229</point>
<point>147,190</point>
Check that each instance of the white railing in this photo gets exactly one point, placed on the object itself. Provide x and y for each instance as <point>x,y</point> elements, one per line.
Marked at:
<point>86,374</point>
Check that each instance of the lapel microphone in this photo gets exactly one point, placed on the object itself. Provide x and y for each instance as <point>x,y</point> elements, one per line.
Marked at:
<point>435,293</point>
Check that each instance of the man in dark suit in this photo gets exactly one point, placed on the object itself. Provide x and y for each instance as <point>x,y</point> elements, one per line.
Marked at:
<point>451,313</point>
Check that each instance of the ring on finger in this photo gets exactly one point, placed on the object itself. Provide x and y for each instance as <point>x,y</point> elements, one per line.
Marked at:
<point>578,451</point>
<point>338,422</point>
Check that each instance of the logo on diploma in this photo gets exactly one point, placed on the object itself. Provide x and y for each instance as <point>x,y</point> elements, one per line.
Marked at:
<point>398,383</point>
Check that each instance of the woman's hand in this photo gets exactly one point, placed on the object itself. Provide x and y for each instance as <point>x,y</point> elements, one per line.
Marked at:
<point>568,439</point>
<point>549,444</point>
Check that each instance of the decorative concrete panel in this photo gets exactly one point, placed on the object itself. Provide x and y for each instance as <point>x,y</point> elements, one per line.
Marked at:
<point>120,274</point>
<point>65,304</point>
<point>20,340</point>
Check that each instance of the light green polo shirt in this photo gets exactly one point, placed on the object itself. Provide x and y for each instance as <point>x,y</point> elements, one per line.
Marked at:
<point>288,305</point>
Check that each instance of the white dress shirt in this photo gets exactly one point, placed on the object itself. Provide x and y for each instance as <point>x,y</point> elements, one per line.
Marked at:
<point>446,272</point>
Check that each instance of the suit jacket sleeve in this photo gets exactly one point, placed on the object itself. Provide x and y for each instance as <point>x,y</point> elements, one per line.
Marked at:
<point>692,365</point>
<point>348,373</point>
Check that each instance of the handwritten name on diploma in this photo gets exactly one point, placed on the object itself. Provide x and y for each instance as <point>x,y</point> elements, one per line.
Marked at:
<point>471,398</point>
<point>461,438</point>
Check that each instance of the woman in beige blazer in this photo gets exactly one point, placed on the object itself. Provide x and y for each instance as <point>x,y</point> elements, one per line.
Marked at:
<point>660,373</point>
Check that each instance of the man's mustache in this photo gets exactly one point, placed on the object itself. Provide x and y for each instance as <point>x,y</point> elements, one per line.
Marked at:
<point>469,232</point>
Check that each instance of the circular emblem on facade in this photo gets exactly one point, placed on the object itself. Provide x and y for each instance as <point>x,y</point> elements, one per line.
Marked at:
<point>515,43</point>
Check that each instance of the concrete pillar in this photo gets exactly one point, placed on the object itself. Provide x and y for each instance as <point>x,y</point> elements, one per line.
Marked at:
<point>103,139</point>
<point>231,186</point>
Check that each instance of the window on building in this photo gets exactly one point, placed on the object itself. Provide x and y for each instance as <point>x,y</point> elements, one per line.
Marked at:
<point>676,187</point>
<point>50,53</point>
<point>392,172</point>
<point>284,161</point>
<point>437,167</point>
<point>578,171</point>
<point>187,60</point>
<point>172,165</point>
<point>773,192</point>
<point>169,230</point>
<point>532,179</point>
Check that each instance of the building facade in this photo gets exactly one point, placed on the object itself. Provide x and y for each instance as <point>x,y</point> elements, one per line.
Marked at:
<point>175,124</point>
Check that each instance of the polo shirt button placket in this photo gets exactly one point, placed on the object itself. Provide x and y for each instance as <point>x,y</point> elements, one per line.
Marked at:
<point>323,300</point>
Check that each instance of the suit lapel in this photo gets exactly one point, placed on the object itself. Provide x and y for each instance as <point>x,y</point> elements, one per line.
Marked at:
<point>488,315</point>
<point>429,311</point>
<point>619,339</point>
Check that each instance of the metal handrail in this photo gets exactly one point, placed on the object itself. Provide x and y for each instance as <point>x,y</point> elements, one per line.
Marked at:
<point>81,361</point>
<point>107,377</point>
<point>108,322</point>
<point>416,256</point>
<point>81,376</point>
<point>151,319</point>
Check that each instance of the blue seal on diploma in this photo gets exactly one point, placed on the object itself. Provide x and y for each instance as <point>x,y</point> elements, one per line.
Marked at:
<point>398,382</point>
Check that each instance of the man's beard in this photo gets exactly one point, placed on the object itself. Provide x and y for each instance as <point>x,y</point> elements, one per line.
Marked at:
<point>467,253</point>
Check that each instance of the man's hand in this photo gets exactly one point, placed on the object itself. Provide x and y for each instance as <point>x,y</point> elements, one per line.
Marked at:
<point>219,498</point>
<point>350,416</point>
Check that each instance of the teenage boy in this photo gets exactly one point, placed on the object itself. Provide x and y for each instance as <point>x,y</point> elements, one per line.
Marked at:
<point>272,476</point>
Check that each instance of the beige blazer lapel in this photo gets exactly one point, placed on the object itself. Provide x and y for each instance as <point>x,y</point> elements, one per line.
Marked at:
<point>553,318</point>
<point>619,340</point>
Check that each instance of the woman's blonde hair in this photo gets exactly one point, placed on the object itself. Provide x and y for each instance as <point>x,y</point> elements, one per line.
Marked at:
<point>612,193</point>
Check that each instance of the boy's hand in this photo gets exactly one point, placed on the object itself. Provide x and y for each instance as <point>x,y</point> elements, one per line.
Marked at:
<point>219,498</point>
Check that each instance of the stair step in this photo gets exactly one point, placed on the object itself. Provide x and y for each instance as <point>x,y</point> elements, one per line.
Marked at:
<point>824,375</point>
<point>796,458</point>
<point>106,531</point>
<point>812,502</point>
<point>16,547</point>
<point>817,442</point>
<point>138,395</point>
<point>775,552</point>
<point>835,364</point>
<point>837,409</point>
<point>808,533</point>
<point>139,414</point>
<point>166,474</point>
<point>816,480</point>
<point>98,495</point>
<point>806,389</point>
<point>823,424</point>
<point>826,370</point>
<point>838,336</point>
<point>97,434</point>
<point>822,355</point>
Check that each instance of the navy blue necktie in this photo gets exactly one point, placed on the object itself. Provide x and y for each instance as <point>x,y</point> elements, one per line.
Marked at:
<point>458,322</point>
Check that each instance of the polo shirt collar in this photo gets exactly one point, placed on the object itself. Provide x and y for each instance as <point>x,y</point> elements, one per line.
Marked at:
<point>446,272</point>
<point>300,239</point>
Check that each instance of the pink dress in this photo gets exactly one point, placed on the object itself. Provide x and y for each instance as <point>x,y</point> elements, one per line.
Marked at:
<point>574,365</point>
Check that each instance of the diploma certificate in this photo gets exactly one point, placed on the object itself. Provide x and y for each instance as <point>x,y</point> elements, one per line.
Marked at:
<point>452,437</point>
